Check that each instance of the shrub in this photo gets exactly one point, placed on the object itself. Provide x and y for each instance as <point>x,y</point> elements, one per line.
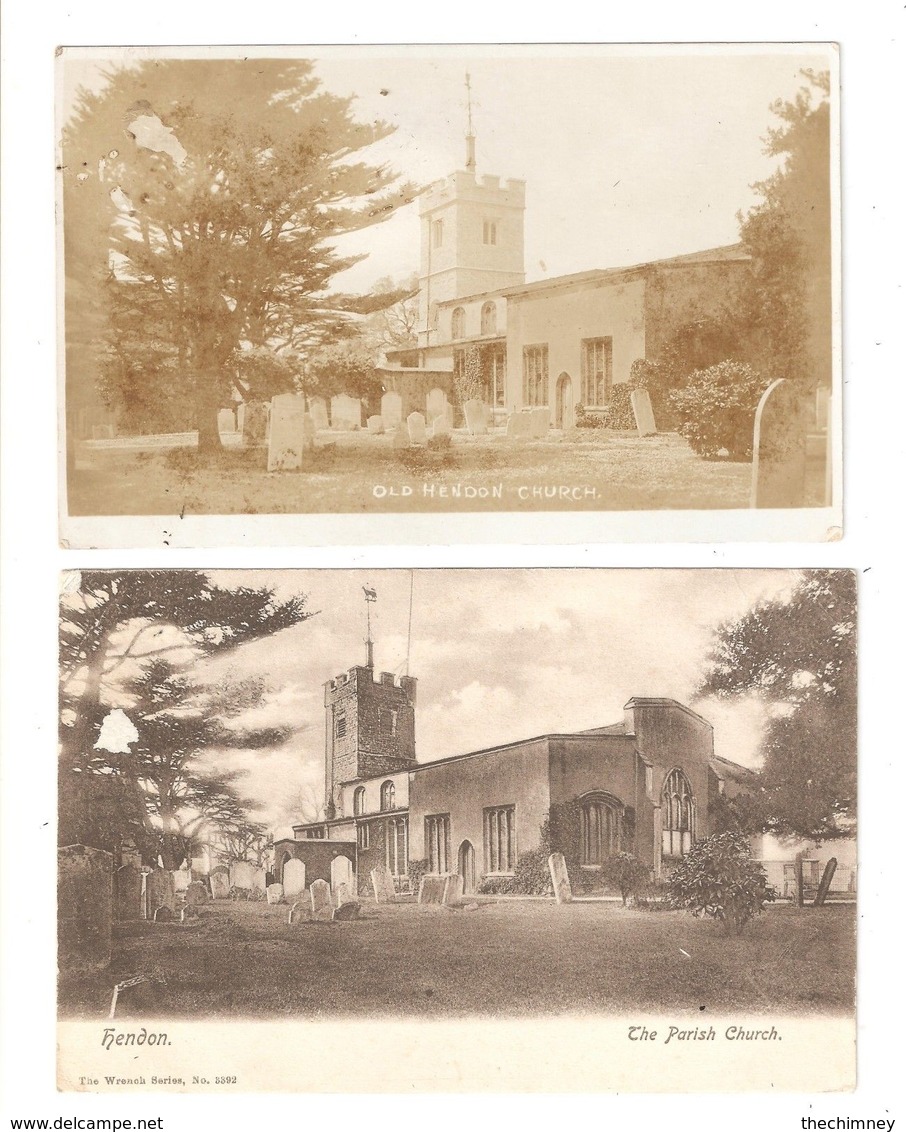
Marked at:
<point>531,878</point>
<point>717,408</point>
<point>718,878</point>
<point>417,869</point>
<point>585,419</point>
<point>626,873</point>
<point>619,410</point>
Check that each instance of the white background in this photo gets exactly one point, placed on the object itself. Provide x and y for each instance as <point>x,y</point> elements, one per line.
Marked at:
<point>872,65</point>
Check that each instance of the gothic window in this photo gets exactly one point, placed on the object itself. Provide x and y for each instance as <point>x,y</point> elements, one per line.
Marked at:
<point>489,232</point>
<point>363,836</point>
<point>677,815</point>
<point>500,839</point>
<point>597,371</point>
<point>396,846</point>
<point>358,801</point>
<point>437,233</point>
<point>600,819</point>
<point>388,796</point>
<point>489,319</point>
<point>534,375</point>
<point>437,842</point>
<point>458,323</point>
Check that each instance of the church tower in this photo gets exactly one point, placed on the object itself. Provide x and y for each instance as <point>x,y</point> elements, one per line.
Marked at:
<point>370,723</point>
<point>472,237</point>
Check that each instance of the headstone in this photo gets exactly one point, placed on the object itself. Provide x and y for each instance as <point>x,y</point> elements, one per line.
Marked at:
<point>416,425</point>
<point>476,414</point>
<point>391,409</point>
<point>128,885</point>
<point>376,425</point>
<point>161,890</point>
<point>182,878</point>
<point>259,879</point>
<point>301,910</point>
<point>342,894</point>
<point>643,413</point>
<point>188,912</point>
<point>541,422</point>
<point>778,465</point>
<point>254,424</point>
<point>321,907</point>
<point>164,915</point>
<point>197,893</point>
<point>240,417</point>
<point>275,894</point>
<point>824,887</point>
<point>400,438</point>
<point>287,433</point>
<point>563,892</point>
<point>431,889</point>
<point>242,874</point>
<point>435,403</point>
<point>226,421</point>
<point>85,909</point>
<point>348,911</point>
<point>317,408</point>
<point>345,412</point>
<point>453,889</point>
<point>220,883</point>
<point>341,872</point>
<point>293,877</point>
<point>382,883</point>
<point>441,426</point>
<point>519,425</point>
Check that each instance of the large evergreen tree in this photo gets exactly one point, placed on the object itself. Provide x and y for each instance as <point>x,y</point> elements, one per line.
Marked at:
<point>208,193</point>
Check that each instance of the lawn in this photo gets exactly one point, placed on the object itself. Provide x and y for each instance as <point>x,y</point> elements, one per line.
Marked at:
<point>503,959</point>
<point>353,473</point>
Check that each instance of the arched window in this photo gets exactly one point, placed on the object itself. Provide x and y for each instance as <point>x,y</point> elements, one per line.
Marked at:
<point>677,815</point>
<point>388,796</point>
<point>600,822</point>
<point>358,801</point>
<point>489,319</point>
<point>458,323</point>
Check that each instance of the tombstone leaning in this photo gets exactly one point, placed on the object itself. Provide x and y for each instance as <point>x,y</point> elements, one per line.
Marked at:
<point>563,892</point>
<point>643,412</point>
<point>779,449</point>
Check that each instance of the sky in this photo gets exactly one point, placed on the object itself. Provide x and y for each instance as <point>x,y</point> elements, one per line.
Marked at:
<point>499,655</point>
<point>629,154</point>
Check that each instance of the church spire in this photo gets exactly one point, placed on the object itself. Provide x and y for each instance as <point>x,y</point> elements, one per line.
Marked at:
<point>470,136</point>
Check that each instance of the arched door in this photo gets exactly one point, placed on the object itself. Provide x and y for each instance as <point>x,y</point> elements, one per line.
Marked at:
<point>565,409</point>
<point>466,867</point>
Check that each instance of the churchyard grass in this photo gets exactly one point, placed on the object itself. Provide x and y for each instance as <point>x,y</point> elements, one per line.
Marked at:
<point>348,472</point>
<point>505,959</point>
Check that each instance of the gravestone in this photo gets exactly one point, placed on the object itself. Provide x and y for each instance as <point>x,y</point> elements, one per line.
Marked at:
<point>341,895</point>
<point>431,889</point>
<point>128,885</point>
<point>85,903</point>
<point>259,879</point>
<point>317,408</point>
<point>442,425</point>
<point>182,878</point>
<point>476,414</point>
<point>287,433</point>
<point>254,424</point>
<point>301,910</point>
<point>240,417</point>
<point>341,873</point>
<point>400,438</point>
<point>275,894</point>
<point>416,425</point>
<point>345,412</point>
<point>164,915</point>
<point>321,907</point>
<point>541,422</point>
<point>519,425</point>
<point>161,890</point>
<point>376,425</point>
<point>778,465</point>
<point>197,893</point>
<point>453,889</point>
<point>391,410</point>
<point>293,877</point>
<point>382,883</point>
<point>226,421</point>
<point>188,912</point>
<point>220,883</point>
<point>563,892</point>
<point>824,887</point>
<point>435,403</point>
<point>241,874</point>
<point>643,413</point>
<point>348,911</point>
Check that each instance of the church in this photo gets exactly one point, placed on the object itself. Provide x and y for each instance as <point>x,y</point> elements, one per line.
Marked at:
<point>645,784</point>
<point>558,343</point>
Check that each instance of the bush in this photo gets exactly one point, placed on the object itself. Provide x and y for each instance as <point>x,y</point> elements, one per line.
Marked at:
<point>619,410</point>
<point>531,878</point>
<point>585,419</point>
<point>718,878</point>
<point>625,873</point>
<point>717,408</point>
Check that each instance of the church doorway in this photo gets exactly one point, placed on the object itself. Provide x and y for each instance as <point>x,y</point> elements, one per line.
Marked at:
<point>565,412</point>
<point>466,867</point>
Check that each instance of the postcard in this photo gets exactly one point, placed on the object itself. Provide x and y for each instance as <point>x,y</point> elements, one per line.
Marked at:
<point>340,295</point>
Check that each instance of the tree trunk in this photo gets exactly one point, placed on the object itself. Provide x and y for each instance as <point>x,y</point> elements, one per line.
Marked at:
<point>207,407</point>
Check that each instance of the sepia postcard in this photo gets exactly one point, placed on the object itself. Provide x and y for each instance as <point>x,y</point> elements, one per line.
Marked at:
<point>602,838</point>
<point>336,295</point>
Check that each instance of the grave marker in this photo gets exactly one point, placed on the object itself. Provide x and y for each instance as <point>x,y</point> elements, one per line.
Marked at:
<point>317,408</point>
<point>476,414</point>
<point>85,903</point>
<point>382,883</point>
<point>321,907</point>
<point>275,894</point>
<point>540,422</point>
<point>416,425</point>
<point>563,892</point>
<point>453,889</point>
<point>226,421</point>
<point>293,877</point>
<point>643,413</point>
<point>161,890</point>
<point>287,433</point>
<point>431,889</point>
<point>128,884</point>
<point>778,463</point>
<point>254,424</point>
<point>376,425</point>
<point>197,893</point>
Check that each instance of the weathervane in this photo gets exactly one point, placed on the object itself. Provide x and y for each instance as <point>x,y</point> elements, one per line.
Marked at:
<point>370,596</point>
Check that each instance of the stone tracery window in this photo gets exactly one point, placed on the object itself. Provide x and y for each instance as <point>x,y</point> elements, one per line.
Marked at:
<point>600,822</point>
<point>458,323</point>
<point>388,796</point>
<point>677,815</point>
